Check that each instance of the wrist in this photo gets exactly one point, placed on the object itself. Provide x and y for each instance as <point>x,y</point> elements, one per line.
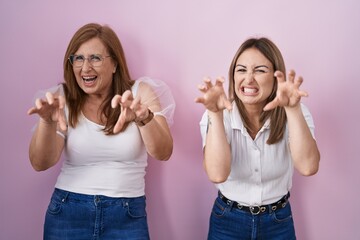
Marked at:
<point>47,122</point>
<point>146,120</point>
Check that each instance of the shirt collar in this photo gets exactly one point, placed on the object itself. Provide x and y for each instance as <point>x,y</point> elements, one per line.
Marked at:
<point>237,123</point>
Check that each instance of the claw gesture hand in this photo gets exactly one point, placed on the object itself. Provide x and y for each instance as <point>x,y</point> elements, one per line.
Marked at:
<point>131,109</point>
<point>288,93</point>
<point>214,98</point>
<point>50,109</point>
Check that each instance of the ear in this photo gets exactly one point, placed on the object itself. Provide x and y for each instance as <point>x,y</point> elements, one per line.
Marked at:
<point>115,68</point>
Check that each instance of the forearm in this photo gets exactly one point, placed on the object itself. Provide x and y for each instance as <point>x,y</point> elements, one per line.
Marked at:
<point>303,147</point>
<point>157,138</point>
<point>217,154</point>
<point>45,146</point>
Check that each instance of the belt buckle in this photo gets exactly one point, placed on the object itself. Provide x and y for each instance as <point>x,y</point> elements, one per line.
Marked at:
<point>255,210</point>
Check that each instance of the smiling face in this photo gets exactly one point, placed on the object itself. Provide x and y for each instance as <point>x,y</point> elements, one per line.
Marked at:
<point>94,80</point>
<point>253,78</point>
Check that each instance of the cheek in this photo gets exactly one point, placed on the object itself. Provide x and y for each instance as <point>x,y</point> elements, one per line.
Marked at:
<point>77,75</point>
<point>267,87</point>
<point>236,85</point>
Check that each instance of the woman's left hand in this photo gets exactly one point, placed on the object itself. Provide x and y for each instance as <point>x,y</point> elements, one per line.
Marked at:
<point>288,93</point>
<point>131,109</point>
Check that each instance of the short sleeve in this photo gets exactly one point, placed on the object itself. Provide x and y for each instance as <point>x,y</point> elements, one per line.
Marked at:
<point>157,96</point>
<point>309,119</point>
<point>56,90</point>
<point>204,126</point>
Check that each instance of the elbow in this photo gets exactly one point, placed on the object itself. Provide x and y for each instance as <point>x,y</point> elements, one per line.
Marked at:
<point>38,167</point>
<point>217,179</point>
<point>310,169</point>
<point>308,165</point>
<point>309,172</point>
<point>164,157</point>
<point>217,173</point>
<point>163,154</point>
<point>37,164</point>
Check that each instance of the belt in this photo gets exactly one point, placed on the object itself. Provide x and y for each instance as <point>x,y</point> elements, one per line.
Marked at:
<point>256,209</point>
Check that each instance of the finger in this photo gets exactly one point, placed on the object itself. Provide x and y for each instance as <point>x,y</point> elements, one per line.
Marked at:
<point>219,81</point>
<point>38,103</point>
<point>50,98</point>
<point>61,102</point>
<point>291,76</point>
<point>127,95</point>
<point>202,88</point>
<point>135,103</point>
<point>200,100</point>
<point>279,76</point>
<point>227,104</point>
<point>62,121</point>
<point>120,123</point>
<point>298,82</point>
<point>303,93</point>
<point>115,101</point>
<point>31,111</point>
<point>271,105</point>
<point>126,99</point>
<point>207,82</point>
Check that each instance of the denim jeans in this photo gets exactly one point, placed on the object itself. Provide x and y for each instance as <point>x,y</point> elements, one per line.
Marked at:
<point>231,223</point>
<point>88,217</point>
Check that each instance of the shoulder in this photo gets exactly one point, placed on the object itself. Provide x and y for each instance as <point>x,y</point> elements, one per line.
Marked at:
<point>56,90</point>
<point>142,87</point>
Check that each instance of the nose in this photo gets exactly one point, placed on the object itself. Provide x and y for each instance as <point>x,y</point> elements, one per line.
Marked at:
<point>86,65</point>
<point>249,77</point>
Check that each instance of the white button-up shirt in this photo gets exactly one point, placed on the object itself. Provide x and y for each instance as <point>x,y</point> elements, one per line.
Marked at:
<point>260,173</point>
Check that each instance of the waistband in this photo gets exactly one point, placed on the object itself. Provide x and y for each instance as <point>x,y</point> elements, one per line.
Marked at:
<point>256,209</point>
<point>63,195</point>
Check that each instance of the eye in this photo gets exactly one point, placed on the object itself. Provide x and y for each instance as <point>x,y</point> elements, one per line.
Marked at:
<point>260,71</point>
<point>95,58</point>
<point>242,70</point>
<point>78,58</point>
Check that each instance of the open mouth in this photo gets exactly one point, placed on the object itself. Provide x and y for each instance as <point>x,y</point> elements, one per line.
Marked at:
<point>89,79</point>
<point>249,90</point>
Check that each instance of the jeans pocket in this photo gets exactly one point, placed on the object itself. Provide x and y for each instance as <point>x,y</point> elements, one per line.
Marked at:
<point>218,209</point>
<point>283,214</point>
<point>136,208</point>
<point>54,207</point>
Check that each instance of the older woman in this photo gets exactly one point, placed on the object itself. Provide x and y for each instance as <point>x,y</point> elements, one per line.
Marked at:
<point>105,123</point>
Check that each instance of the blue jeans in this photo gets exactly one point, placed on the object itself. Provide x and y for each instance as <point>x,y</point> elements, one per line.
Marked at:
<point>88,217</point>
<point>231,223</point>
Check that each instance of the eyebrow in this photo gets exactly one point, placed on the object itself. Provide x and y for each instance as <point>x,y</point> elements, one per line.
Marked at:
<point>239,65</point>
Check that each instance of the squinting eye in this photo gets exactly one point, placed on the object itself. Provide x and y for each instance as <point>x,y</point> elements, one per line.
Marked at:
<point>78,58</point>
<point>241,70</point>
<point>95,58</point>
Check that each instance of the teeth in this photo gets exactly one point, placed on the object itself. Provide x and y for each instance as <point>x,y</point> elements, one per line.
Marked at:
<point>250,90</point>
<point>89,78</point>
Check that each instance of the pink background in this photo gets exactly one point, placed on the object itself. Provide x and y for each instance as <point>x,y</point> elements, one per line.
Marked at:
<point>179,42</point>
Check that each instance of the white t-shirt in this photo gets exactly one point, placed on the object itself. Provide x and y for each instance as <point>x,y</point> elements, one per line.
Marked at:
<point>260,173</point>
<point>114,166</point>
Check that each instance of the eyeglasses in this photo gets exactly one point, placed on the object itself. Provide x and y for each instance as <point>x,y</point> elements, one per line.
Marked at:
<point>94,60</point>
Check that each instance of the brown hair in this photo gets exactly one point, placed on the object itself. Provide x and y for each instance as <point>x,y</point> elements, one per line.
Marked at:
<point>74,95</point>
<point>277,116</point>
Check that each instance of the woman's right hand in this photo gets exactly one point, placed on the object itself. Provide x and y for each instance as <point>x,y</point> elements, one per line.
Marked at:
<point>50,109</point>
<point>214,98</point>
